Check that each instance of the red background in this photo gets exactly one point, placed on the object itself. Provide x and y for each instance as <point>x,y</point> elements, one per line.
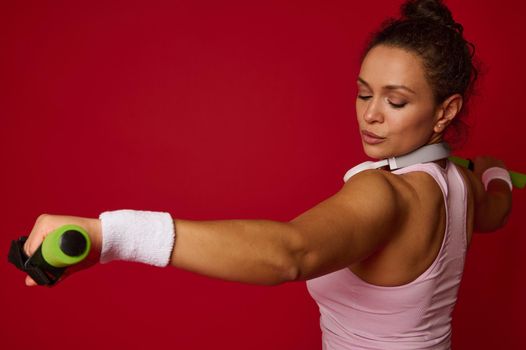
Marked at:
<point>215,110</point>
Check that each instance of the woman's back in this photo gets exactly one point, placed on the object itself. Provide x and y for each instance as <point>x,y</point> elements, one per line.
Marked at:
<point>417,243</point>
<point>359,313</point>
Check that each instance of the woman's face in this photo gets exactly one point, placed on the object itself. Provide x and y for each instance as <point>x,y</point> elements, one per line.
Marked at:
<point>395,106</point>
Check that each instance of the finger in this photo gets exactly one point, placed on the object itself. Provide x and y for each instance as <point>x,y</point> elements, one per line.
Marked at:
<point>36,236</point>
<point>30,282</point>
<point>29,245</point>
<point>28,251</point>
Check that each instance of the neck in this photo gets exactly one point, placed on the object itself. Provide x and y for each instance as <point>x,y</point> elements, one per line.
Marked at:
<point>437,138</point>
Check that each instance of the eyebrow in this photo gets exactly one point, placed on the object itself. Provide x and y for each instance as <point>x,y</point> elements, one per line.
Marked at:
<point>388,87</point>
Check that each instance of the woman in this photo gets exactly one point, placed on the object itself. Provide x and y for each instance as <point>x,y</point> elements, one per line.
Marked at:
<point>384,256</point>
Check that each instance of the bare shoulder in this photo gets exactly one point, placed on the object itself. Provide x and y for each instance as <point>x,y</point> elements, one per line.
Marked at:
<point>419,192</point>
<point>402,187</point>
<point>421,185</point>
<point>380,191</point>
<point>408,209</point>
<point>374,182</point>
<point>362,218</point>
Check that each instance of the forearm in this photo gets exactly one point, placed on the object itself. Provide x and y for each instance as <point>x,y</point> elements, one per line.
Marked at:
<point>249,251</point>
<point>496,207</point>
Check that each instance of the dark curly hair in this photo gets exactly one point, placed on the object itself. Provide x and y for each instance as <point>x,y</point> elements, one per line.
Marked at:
<point>427,28</point>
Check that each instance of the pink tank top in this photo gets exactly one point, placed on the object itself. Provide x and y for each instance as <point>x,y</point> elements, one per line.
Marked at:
<point>357,315</point>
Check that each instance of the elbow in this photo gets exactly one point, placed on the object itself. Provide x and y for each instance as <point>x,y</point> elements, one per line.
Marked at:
<point>484,225</point>
<point>486,228</point>
<point>493,218</point>
<point>283,271</point>
<point>295,257</point>
<point>289,272</point>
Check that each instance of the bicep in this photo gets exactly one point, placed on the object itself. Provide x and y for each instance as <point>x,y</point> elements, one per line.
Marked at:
<point>350,225</point>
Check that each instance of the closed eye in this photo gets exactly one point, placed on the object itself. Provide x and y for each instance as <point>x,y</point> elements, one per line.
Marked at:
<point>364,97</point>
<point>397,105</point>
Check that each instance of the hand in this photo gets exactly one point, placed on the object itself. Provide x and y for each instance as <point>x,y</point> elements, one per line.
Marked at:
<point>482,163</point>
<point>45,224</point>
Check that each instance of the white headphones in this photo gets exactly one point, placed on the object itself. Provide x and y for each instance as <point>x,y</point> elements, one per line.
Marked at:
<point>424,154</point>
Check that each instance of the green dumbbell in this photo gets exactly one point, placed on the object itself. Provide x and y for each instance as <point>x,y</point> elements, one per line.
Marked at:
<point>68,245</point>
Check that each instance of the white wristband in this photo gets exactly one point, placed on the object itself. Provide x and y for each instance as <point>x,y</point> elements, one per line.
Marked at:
<point>140,236</point>
<point>496,173</point>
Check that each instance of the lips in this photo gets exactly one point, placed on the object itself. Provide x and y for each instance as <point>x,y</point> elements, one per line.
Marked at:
<point>371,138</point>
<point>370,134</point>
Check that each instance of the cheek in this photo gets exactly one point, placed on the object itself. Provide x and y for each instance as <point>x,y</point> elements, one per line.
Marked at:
<point>414,120</point>
<point>358,109</point>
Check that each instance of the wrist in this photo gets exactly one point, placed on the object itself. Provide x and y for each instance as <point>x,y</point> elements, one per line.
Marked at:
<point>496,173</point>
<point>94,228</point>
<point>134,235</point>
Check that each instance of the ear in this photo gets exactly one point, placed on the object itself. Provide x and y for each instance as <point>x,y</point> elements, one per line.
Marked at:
<point>447,111</point>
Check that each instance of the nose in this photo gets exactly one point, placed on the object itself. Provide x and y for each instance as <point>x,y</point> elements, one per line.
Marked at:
<point>373,112</point>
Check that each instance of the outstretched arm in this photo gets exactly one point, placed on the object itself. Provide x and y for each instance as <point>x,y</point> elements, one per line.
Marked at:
<point>341,230</point>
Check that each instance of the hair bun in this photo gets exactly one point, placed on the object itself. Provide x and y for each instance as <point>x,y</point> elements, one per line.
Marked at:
<point>431,10</point>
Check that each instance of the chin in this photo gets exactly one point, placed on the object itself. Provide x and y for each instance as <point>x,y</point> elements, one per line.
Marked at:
<point>376,152</point>
<point>385,150</point>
